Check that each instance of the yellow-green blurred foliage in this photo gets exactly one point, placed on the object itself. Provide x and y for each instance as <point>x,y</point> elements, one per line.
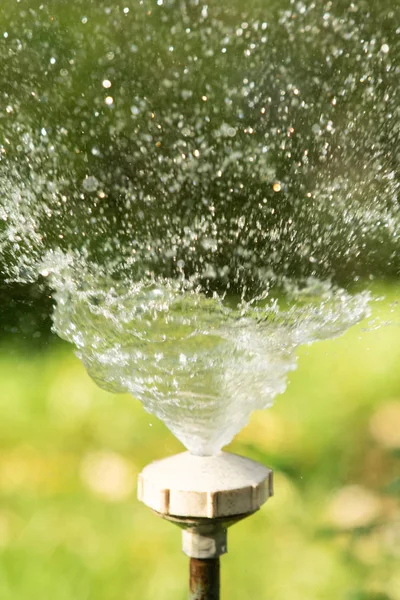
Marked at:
<point>72,529</point>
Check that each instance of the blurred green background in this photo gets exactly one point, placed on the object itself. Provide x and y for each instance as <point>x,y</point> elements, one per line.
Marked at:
<point>71,527</point>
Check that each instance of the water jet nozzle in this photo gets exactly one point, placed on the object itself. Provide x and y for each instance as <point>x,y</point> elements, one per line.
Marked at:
<point>204,495</point>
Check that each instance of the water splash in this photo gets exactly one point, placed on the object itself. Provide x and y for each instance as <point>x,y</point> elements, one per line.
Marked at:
<point>200,185</point>
<point>201,364</point>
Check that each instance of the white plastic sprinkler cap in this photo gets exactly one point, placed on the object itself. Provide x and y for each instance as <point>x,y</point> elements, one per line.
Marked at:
<point>208,487</point>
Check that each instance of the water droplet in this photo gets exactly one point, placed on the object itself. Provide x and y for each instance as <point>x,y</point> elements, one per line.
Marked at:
<point>90,183</point>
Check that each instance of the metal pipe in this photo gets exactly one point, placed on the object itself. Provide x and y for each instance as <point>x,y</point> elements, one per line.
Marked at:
<point>204,579</point>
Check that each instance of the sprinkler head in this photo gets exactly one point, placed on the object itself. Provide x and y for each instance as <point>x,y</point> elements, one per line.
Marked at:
<point>204,495</point>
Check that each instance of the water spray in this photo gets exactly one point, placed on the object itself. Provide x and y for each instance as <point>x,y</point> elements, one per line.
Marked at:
<point>204,495</point>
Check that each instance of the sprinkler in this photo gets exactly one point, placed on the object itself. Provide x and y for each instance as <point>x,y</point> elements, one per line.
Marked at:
<point>204,495</point>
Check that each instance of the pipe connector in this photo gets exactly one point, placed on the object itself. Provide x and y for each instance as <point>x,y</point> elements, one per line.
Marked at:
<point>205,541</point>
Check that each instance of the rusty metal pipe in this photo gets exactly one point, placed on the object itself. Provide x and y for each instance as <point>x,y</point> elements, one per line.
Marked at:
<point>204,579</point>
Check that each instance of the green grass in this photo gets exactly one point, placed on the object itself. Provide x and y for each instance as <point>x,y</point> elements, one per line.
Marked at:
<point>71,528</point>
